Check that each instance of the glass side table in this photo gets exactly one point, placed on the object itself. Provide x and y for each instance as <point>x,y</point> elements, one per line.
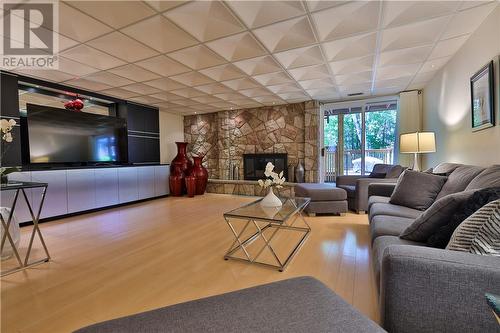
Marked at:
<point>278,219</point>
<point>20,187</point>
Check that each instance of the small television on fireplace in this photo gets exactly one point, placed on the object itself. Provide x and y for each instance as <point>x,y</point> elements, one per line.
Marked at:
<point>55,136</point>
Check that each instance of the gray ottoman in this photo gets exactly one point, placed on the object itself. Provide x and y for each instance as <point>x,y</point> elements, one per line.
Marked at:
<point>296,305</point>
<point>325,198</point>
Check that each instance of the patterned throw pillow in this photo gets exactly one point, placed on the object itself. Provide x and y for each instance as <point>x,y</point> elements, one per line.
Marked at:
<point>480,232</point>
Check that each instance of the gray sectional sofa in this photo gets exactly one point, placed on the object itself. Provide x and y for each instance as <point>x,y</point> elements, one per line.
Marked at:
<point>425,289</point>
<point>356,186</point>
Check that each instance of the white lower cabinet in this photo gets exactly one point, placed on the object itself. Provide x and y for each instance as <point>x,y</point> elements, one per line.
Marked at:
<point>22,213</point>
<point>127,184</point>
<point>162,172</point>
<point>56,199</point>
<point>106,187</point>
<point>81,190</point>
<point>146,182</point>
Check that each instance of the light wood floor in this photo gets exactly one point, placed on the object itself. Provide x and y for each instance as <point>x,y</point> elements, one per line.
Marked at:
<point>148,255</point>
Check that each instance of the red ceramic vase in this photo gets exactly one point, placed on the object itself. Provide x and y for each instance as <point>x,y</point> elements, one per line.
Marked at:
<point>201,174</point>
<point>191,185</point>
<point>182,162</point>
<point>176,181</point>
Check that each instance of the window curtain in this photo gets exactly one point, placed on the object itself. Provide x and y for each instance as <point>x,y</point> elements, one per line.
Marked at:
<point>410,120</point>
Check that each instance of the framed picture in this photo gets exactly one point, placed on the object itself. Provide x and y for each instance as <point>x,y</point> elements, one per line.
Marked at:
<point>482,100</point>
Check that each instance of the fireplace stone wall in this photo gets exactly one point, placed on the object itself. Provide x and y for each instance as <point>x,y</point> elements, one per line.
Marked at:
<point>223,137</point>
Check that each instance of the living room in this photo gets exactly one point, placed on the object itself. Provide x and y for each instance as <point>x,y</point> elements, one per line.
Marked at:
<point>250,166</point>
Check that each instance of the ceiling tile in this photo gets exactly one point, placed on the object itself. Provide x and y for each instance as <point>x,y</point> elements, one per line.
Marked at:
<point>141,89</point>
<point>416,34</point>
<point>187,92</point>
<point>87,84</point>
<point>255,92</point>
<point>146,100</point>
<point>74,68</point>
<point>348,19</point>
<point>197,57</point>
<point>355,78</point>
<point>405,56</point>
<point>206,99</point>
<point>165,105</point>
<point>120,93</point>
<point>164,84</point>
<point>245,103</point>
<point>259,13</point>
<point>294,96</point>
<point>160,34</point>
<point>230,96</point>
<point>354,89</point>
<point>206,20</point>
<point>273,78</point>
<point>162,5</point>
<point>310,72</point>
<point>46,74</point>
<point>473,3</point>
<point>448,47</point>
<point>109,79</point>
<point>433,65</point>
<point>122,46</point>
<point>399,82</point>
<point>317,83</point>
<point>163,65</point>
<point>323,93</point>
<point>134,73</point>
<point>115,13</point>
<point>287,35</point>
<point>269,100</point>
<point>184,102</point>
<point>80,27</point>
<point>315,5</point>
<point>352,65</point>
<point>405,12</point>
<point>223,72</point>
<point>467,21</point>
<point>92,57</point>
<point>394,72</point>
<point>305,56</point>
<point>237,47</point>
<point>166,96</point>
<point>223,105</point>
<point>65,43</point>
<point>388,90</point>
<point>285,88</point>
<point>239,84</point>
<point>260,65</point>
<point>192,79</point>
<point>351,47</point>
<point>214,88</point>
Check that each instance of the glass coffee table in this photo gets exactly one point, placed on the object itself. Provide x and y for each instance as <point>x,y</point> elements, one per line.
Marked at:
<point>278,220</point>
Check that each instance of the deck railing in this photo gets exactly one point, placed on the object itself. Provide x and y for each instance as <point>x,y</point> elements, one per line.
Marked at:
<point>351,161</point>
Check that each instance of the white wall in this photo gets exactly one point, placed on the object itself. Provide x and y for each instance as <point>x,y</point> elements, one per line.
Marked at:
<point>447,109</point>
<point>171,130</point>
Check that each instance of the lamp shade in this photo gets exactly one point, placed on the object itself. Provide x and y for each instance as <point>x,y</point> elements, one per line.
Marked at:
<point>417,142</point>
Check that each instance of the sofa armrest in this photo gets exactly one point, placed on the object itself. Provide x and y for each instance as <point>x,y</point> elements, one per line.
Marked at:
<point>348,180</point>
<point>362,186</point>
<point>434,290</point>
<point>381,189</point>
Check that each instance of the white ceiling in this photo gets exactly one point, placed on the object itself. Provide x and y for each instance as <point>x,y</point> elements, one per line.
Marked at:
<point>205,56</point>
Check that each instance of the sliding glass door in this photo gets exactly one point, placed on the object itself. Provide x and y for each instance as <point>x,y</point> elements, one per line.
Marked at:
<point>358,135</point>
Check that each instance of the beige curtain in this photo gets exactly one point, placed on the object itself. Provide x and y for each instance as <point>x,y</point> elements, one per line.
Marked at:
<point>409,120</point>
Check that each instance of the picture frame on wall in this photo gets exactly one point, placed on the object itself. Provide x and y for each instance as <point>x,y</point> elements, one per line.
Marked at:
<point>482,98</point>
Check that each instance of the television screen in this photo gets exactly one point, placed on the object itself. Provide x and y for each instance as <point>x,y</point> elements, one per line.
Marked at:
<point>60,136</point>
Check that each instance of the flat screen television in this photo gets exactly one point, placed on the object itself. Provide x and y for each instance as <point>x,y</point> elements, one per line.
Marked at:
<point>58,136</point>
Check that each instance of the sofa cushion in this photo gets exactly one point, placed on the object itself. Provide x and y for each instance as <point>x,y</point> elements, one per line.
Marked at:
<point>383,242</point>
<point>436,216</point>
<point>446,168</point>
<point>377,199</point>
<point>385,225</point>
<point>380,208</point>
<point>301,304</point>
<point>417,190</point>
<point>490,177</point>
<point>350,190</point>
<point>442,236</point>
<point>459,179</point>
<point>320,192</point>
<point>395,171</point>
<point>377,175</point>
<point>480,232</point>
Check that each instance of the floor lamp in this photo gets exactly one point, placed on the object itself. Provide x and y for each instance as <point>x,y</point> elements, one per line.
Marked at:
<point>417,143</point>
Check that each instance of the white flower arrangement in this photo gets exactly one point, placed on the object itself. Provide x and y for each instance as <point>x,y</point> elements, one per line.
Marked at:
<point>273,179</point>
<point>7,126</point>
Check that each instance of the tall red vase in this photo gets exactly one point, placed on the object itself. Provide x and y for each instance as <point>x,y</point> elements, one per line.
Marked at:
<point>182,162</point>
<point>201,174</point>
<point>176,181</point>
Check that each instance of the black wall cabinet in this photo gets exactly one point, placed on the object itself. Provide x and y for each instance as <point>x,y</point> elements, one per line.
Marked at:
<point>9,109</point>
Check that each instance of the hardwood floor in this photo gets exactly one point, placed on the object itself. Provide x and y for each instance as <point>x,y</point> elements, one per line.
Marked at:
<point>148,255</point>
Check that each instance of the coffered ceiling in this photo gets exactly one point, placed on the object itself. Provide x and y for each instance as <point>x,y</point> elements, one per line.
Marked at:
<point>205,56</point>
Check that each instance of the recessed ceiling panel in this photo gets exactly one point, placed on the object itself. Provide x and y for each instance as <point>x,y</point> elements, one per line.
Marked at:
<point>305,56</point>
<point>163,65</point>
<point>259,13</point>
<point>237,47</point>
<point>122,46</point>
<point>134,73</point>
<point>92,57</point>
<point>197,57</point>
<point>351,47</point>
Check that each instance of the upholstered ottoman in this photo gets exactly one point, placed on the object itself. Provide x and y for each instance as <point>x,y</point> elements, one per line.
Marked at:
<point>296,305</point>
<point>325,198</point>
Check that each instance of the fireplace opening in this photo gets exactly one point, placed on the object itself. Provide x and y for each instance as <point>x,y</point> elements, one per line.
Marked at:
<point>254,165</point>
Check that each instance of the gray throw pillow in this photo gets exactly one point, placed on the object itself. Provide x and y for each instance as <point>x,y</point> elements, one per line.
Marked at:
<point>417,190</point>
<point>480,232</point>
<point>435,217</point>
<point>490,177</point>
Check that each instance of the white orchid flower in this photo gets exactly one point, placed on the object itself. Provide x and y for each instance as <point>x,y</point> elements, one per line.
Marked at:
<point>261,183</point>
<point>7,137</point>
